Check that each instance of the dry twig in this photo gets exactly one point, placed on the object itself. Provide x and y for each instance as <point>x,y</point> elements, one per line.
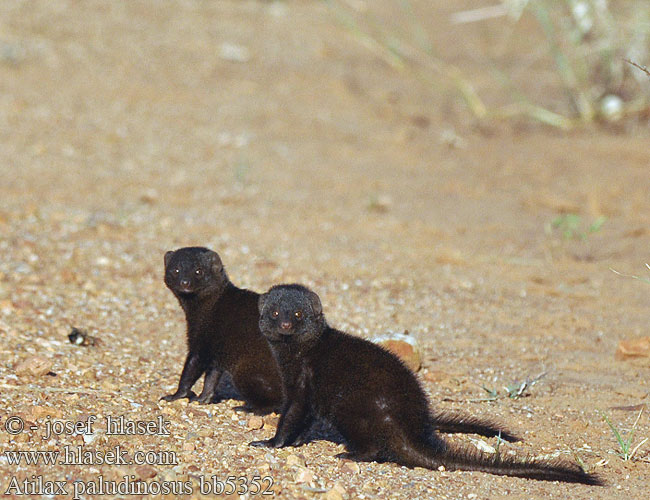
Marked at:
<point>642,68</point>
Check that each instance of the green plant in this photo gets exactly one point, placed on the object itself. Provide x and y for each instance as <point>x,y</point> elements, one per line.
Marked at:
<point>497,449</point>
<point>625,444</point>
<point>571,226</point>
<point>241,171</point>
<point>514,390</point>
<point>579,460</point>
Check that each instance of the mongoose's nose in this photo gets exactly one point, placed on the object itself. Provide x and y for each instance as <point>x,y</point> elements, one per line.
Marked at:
<point>285,325</point>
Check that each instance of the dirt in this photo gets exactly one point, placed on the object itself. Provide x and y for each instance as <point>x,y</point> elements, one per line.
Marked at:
<point>271,133</point>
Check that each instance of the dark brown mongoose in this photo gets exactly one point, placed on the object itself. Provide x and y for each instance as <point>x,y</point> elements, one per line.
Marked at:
<point>368,395</point>
<point>222,332</point>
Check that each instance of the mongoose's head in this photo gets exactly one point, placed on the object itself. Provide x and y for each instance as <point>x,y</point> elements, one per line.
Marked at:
<point>290,313</point>
<point>194,271</point>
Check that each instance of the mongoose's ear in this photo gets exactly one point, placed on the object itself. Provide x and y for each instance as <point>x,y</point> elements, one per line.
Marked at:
<point>215,263</point>
<point>316,306</point>
<point>168,257</point>
<point>261,301</point>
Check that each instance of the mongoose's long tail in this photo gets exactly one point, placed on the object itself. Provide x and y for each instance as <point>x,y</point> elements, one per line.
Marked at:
<point>456,458</point>
<point>448,422</point>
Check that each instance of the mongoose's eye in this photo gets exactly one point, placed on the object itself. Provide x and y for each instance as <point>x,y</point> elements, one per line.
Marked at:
<point>198,272</point>
<point>298,314</point>
<point>177,270</point>
<point>275,314</point>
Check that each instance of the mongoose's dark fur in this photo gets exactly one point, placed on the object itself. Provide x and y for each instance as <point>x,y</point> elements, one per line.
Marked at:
<point>368,395</point>
<point>222,332</point>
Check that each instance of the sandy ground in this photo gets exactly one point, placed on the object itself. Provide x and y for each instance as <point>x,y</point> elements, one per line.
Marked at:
<point>269,133</point>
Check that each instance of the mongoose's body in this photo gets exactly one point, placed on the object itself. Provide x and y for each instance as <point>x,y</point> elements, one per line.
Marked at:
<point>222,332</point>
<point>369,396</point>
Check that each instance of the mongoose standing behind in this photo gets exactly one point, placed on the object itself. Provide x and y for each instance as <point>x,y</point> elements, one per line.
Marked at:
<point>222,332</point>
<point>368,395</point>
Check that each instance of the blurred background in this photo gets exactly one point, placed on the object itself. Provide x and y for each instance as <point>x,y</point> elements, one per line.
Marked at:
<point>468,171</point>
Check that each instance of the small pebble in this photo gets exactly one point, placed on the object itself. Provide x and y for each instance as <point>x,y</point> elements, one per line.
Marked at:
<point>333,495</point>
<point>102,261</point>
<point>351,467</point>
<point>294,459</point>
<point>145,472</point>
<point>6,307</point>
<point>255,422</point>
<point>234,52</point>
<point>304,475</point>
<point>149,196</point>
<point>338,488</point>
<point>34,366</point>
<point>381,204</point>
<point>404,347</point>
<point>271,420</point>
<point>633,348</point>
<point>435,376</point>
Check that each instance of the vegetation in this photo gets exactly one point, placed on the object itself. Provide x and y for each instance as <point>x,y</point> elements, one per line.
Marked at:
<point>625,444</point>
<point>596,50</point>
<point>572,226</point>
